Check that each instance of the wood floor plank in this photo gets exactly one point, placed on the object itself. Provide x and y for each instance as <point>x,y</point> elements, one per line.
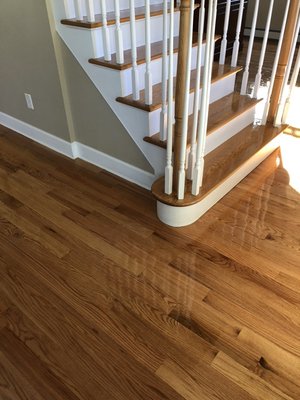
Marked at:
<point>246,379</point>
<point>100,301</point>
<point>13,386</point>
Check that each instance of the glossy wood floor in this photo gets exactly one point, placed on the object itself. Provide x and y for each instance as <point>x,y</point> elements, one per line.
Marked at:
<point>99,300</point>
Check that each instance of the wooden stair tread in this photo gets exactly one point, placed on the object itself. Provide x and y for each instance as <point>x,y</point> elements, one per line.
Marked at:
<point>221,112</point>
<point>156,52</point>
<point>222,162</point>
<point>219,72</point>
<point>155,10</point>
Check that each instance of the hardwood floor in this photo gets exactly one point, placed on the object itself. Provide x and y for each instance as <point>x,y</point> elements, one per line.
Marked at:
<point>99,300</point>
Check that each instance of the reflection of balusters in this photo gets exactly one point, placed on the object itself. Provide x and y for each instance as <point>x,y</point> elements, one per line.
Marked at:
<point>118,35</point>
<point>236,45</point>
<point>163,114</point>
<point>105,32</point>
<point>170,112</point>
<point>275,65</point>
<point>225,31</point>
<point>250,48</point>
<point>263,51</point>
<point>192,155</point>
<point>135,72</point>
<point>90,10</point>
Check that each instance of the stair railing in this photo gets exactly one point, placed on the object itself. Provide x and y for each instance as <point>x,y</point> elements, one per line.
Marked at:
<point>283,95</point>
<point>285,54</point>
<point>200,105</point>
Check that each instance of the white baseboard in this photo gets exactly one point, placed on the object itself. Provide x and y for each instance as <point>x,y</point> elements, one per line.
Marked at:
<point>79,150</point>
<point>259,33</point>
<point>113,165</point>
<point>36,134</point>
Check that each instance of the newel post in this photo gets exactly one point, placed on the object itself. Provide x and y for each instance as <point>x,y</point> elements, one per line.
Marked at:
<point>182,72</point>
<point>284,58</point>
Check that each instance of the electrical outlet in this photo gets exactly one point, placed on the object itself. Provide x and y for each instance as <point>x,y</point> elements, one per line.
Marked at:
<point>29,101</point>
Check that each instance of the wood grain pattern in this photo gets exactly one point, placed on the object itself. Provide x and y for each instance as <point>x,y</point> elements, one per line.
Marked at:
<point>156,52</point>
<point>99,300</point>
<point>221,112</point>
<point>155,10</point>
<point>222,162</point>
<point>219,72</point>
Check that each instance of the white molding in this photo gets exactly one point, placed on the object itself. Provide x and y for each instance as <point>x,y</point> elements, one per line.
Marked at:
<point>114,165</point>
<point>36,134</point>
<point>259,33</point>
<point>79,150</point>
<point>183,216</point>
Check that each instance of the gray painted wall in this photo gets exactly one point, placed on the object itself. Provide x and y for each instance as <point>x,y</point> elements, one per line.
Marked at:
<point>95,123</point>
<point>28,65</point>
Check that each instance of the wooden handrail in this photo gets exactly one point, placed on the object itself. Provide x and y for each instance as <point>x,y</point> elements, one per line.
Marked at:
<point>180,84</point>
<point>283,59</point>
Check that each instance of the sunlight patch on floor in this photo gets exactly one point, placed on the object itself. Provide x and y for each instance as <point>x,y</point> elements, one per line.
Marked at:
<point>290,153</point>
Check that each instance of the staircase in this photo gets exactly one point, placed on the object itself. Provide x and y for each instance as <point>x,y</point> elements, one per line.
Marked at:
<point>199,134</point>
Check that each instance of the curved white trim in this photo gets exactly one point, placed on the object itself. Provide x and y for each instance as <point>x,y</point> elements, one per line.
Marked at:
<point>183,216</point>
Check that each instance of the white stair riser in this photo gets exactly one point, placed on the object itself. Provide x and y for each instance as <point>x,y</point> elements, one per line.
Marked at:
<point>156,70</point>
<point>156,34</point>
<point>124,5</point>
<point>220,136</point>
<point>219,89</point>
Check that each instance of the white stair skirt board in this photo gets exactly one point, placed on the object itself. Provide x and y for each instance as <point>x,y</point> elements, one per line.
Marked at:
<point>221,135</point>
<point>183,216</point>
<point>79,150</point>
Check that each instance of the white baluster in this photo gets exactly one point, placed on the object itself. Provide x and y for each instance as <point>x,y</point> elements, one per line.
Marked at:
<point>203,115</point>
<point>79,9</point>
<point>105,32</point>
<point>170,113</point>
<point>67,9</point>
<point>275,65</point>
<point>236,45</point>
<point>148,74</point>
<point>225,31</point>
<point>135,73</point>
<point>250,48</point>
<point>280,109</point>
<point>292,88</point>
<point>118,34</point>
<point>182,156</point>
<point>263,51</point>
<point>192,155</point>
<point>163,113</point>
<point>90,10</point>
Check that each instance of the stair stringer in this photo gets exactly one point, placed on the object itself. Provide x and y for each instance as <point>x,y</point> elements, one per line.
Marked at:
<point>109,83</point>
